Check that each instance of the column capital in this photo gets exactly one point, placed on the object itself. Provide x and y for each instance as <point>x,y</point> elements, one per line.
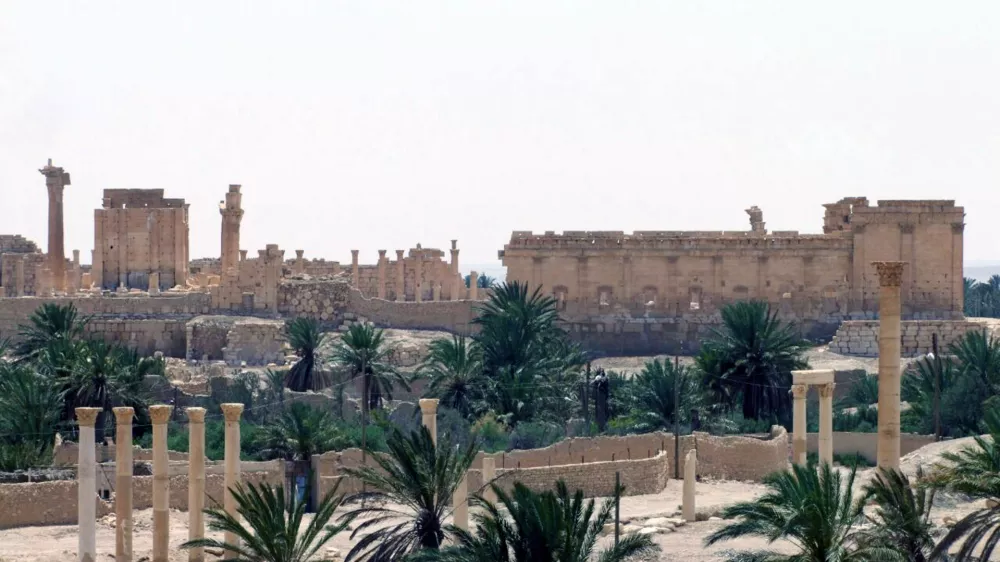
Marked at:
<point>195,415</point>
<point>299,253</point>
<point>826,390</point>
<point>354,254</point>
<point>232,411</point>
<point>381,254</point>
<point>87,416</point>
<point>890,273</point>
<point>428,405</point>
<point>799,391</point>
<point>399,254</point>
<point>160,413</point>
<point>123,414</point>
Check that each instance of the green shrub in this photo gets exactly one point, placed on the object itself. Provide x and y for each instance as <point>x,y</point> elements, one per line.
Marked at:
<point>491,433</point>
<point>535,435</point>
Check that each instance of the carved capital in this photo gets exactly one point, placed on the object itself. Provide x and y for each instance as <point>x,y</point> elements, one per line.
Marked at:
<point>232,411</point>
<point>890,273</point>
<point>957,227</point>
<point>123,415</point>
<point>195,415</point>
<point>826,390</point>
<point>799,391</point>
<point>160,413</point>
<point>428,406</point>
<point>87,416</point>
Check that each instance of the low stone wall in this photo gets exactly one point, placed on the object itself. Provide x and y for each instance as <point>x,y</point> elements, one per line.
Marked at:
<point>323,299</point>
<point>145,335</point>
<point>860,337</point>
<point>866,444</point>
<point>55,503</point>
<point>452,316</point>
<point>596,479</point>
<point>256,341</point>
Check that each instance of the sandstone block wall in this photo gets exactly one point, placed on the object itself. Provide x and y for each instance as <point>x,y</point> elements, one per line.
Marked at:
<point>145,335</point>
<point>322,299</point>
<point>865,444</point>
<point>33,266</point>
<point>860,337</point>
<point>596,479</point>
<point>207,337</point>
<point>55,503</point>
<point>256,341</point>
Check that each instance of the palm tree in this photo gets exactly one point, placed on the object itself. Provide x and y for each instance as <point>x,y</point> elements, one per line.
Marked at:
<point>938,375</point>
<point>417,475</point>
<point>106,375</point>
<point>455,369</point>
<point>813,509</point>
<point>49,323</point>
<point>514,326</point>
<point>272,530</point>
<point>364,351</point>
<point>30,408</point>
<point>864,392</point>
<point>975,472</point>
<point>300,432</point>
<point>901,520</point>
<point>304,337</point>
<point>979,355</point>
<point>527,526</point>
<point>655,390</point>
<point>754,355</point>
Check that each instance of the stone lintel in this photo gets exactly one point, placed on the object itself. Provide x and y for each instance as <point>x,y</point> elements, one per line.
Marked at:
<point>816,376</point>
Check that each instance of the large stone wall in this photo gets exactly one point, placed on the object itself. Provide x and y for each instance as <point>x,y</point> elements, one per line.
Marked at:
<point>817,280</point>
<point>860,337</point>
<point>55,502</point>
<point>256,342</point>
<point>138,232</point>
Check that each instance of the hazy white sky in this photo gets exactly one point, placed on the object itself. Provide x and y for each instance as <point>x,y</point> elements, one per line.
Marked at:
<point>371,124</point>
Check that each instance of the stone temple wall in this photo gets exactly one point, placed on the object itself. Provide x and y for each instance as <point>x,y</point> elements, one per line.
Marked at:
<point>860,337</point>
<point>207,337</point>
<point>256,342</point>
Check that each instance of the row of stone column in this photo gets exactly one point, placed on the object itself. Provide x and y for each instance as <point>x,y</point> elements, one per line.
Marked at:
<point>160,416</point>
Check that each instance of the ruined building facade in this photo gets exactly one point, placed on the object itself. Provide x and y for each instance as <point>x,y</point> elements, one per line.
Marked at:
<point>817,279</point>
<point>138,232</point>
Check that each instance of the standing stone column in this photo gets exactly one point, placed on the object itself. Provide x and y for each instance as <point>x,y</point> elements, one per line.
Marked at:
<point>418,277</point>
<point>123,483</point>
<point>890,277</point>
<point>355,273</point>
<point>56,179</point>
<point>73,284</point>
<point>456,275</point>
<point>489,474</point>
<point>154,283</point>
<point>381,274</point>
<point>196,480</point>
<point>232,413</point>
<point>232,215</point>
<point>18,276</point>
<point>799,392</point>
<point>400,277</point>
<point>243,255</point>
<point>473,286</point>
<point>86,475</point>
<point>300,264</point>
<point>436,292</point>
<point>826,423</point>
<point>160,415</point>
<point>460,504</point>
<point>690,478</point>
<point>428,407</point>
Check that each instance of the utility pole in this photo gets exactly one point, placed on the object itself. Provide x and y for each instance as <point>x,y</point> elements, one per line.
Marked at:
<point>937,366</point>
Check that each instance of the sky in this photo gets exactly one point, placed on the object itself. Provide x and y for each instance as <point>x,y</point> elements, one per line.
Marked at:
<point>377,125</point>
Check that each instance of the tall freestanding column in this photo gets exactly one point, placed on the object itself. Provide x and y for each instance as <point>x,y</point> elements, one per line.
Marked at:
<point>826,423</point>
<point>232,412</point>
<point>473,286</point>
<point>418,276</point>
<point>86,475</point>
<point>690,478</point>
<point>123,483</point>
<point>160,415</point>
<point>799,392</point>
<point>196,480</point>
<point>428,407</point>
<point>456,275</point>
<point>381,274</point>
<point>890,277</point>
<point>300,264</point>
<point>400,277</point>
<point>460,504</point>
<point>355,273</point>
<point>489,475</point>
<point>55,180</point>
<point>232,215</point>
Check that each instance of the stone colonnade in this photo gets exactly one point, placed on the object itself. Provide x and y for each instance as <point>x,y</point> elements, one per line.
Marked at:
<point>890,277</point>
<point>801,381</point>
<point>87,485</point>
